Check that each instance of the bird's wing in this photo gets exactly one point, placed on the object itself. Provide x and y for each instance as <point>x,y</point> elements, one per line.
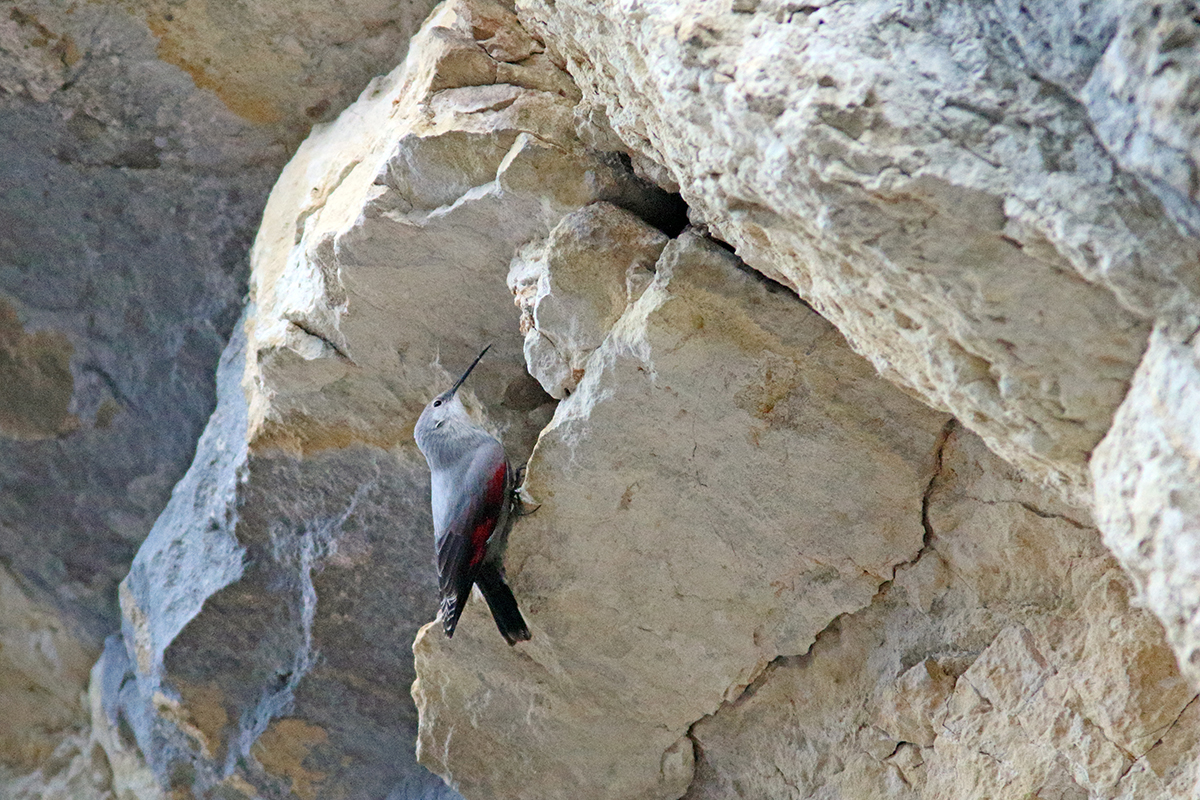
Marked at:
<point>462,543</point>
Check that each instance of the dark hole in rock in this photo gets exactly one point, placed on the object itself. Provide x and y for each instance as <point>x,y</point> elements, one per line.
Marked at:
<point>525,394</point>
<point>665,210</point>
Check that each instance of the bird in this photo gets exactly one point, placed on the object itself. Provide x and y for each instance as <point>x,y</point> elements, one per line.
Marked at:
<point>473,494</point>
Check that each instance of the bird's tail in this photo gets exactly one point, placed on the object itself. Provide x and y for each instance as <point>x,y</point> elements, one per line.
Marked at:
<point>502,603</point>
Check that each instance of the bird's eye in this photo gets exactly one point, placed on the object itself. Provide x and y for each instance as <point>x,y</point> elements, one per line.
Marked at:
<point>437,403</point>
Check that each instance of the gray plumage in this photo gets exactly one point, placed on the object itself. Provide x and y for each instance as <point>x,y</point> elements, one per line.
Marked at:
<point>473,498</point>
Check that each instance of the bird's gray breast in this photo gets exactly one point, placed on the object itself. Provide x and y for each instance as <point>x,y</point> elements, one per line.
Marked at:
<point>460,472</point>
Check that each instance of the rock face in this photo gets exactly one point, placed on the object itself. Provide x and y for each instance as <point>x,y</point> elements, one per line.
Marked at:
<point>232,674</point>
<point>122,236</point>
<point>1147,493</point>
<point>139,142</point>
<point>269,616</point>
<point>96,761</point>
<point>995,203</point>
<point>934,180</point>
<point>42,669</point>
<point>1004,662</point>
<point>812,460</point>
<point>667,563</point>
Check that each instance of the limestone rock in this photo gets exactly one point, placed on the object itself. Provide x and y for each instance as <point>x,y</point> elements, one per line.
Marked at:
<point>139,141</point>
<point>654,589</point>
<point>1141,95</point>
<point>912,709</point>
<point>122,267</point>
<point>995,203</point>
<point>269,616</point>
<point>43,668</point>
<point>908,171</point>
<point>573,286</point>
<point>1052,686</point>
<point>96,759</point>
<point>1147,474</point>
<point>260,655</point>
<point>755,568</point>
<point>409,201</point>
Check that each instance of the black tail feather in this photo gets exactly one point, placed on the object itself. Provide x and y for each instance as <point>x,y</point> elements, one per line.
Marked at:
<point>451,610</point>
<point>502,603</point>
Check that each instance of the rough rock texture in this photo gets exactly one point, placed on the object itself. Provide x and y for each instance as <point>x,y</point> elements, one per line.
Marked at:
<point>268,619</point>
<point>201,692</point>
<point>934,178</point>
<point>995,202</point>
<point>667,563</point>
<point>575,284</point>
<point>43,668</point>
<point>1147,473</point>
<point>97,759</point>
<point>112,311</point>
<point>270,614</point>
<point>1005,662</point>
<point>137,145</point>
<point>1142,94</point>
<point>756,568</point>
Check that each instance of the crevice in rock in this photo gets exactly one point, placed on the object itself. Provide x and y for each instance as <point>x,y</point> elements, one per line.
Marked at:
<point>1116,745</point>
<point>306,327</point>
<point>939,452</point>
<point>1166,729</point>
<point>786,781</point>
<point>657,207</point>
<point>702,771</point>
<point>718,241</point>
<point>762,677</point>
<point>1190,339</point>
<point>947,431</point>
<point>834,628</point>
<point>759,680</point>
<point>1132,761</point>
<point>110,383</point>
<point>895,770</point>
<point>1032,509</point>
<point>770,284</point>
<point>1084,110</point>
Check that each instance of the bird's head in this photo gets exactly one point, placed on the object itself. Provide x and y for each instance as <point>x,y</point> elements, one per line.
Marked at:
<point>446,407</point>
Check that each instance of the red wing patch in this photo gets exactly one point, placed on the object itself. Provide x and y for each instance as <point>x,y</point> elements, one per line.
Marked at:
<point>492,505</point>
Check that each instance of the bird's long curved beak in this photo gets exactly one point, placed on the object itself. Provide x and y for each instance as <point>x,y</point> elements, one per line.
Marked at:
<point>468,372</point>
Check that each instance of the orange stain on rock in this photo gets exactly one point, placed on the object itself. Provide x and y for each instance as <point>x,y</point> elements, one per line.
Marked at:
<point>283,749</point>
<point>35,380</point>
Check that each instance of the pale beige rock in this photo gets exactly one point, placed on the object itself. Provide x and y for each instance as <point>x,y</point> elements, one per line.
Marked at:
<point>573,287</point>
<point>1052,687</point>
<point>91,759</point>
<point>912,708</point>
<point>303,525</point>
<point>652,590</point>
<point>740,578</point>
<point>957,220</point>
<point>408,177</point>
<point>43,670</point>
<point>1147,476</point>
<point>400,211</point>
